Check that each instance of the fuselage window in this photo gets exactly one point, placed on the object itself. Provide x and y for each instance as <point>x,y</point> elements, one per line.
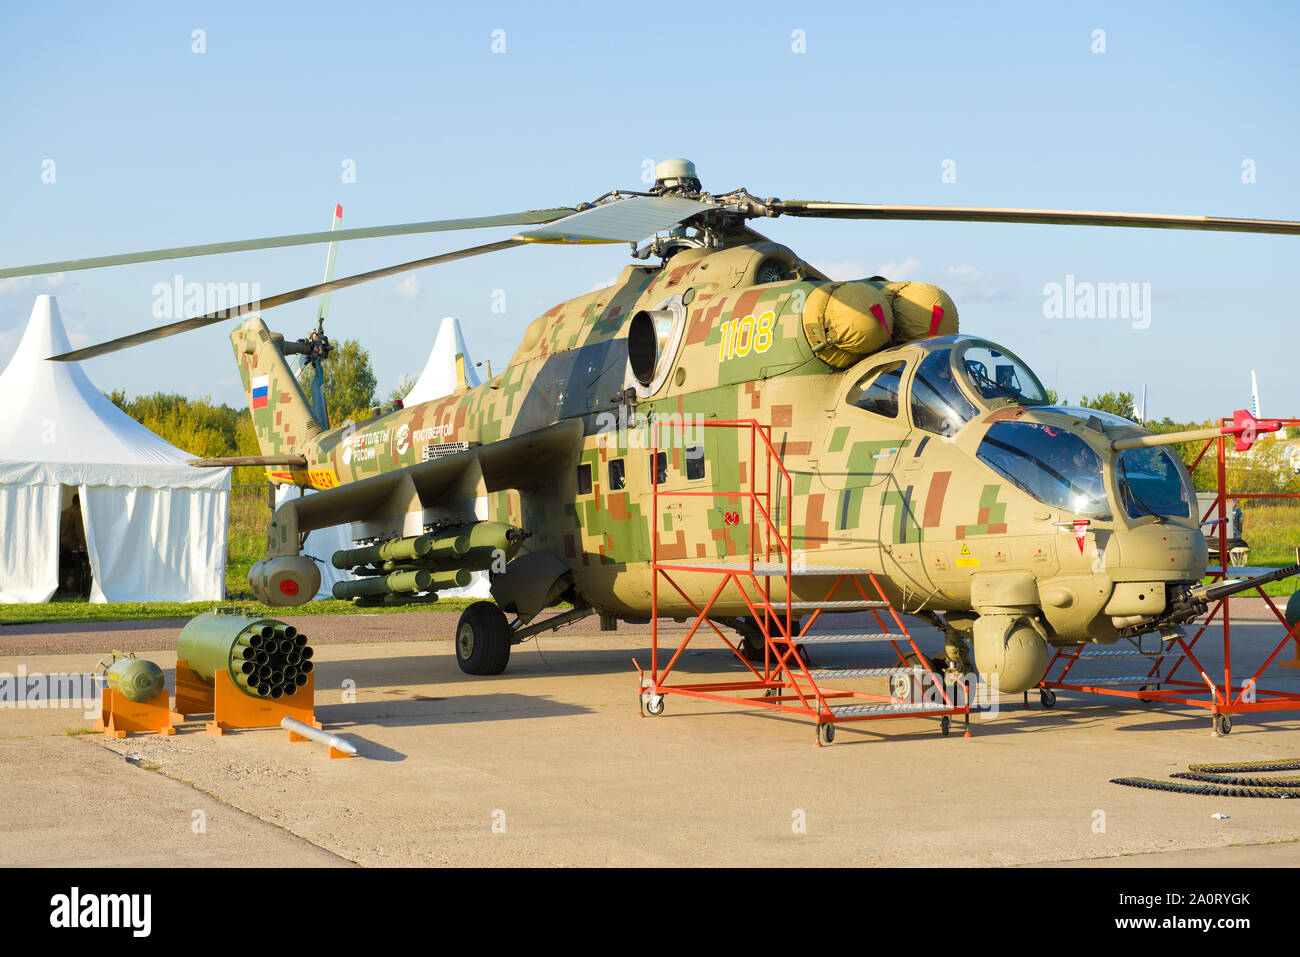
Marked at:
<point>694,462</point>
<point>584,479</point>
<point>877,391</point>
<point>659,475</point>
<point>937,403</point>
<point>617,478</point>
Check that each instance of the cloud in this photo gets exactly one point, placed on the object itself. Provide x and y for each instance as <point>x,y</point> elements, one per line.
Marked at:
<point>409,288</point>
<point>15,283</point>
<point>971,282</point>
<point>842,271</point>
<point>898,272</point>
<point>604,285</point>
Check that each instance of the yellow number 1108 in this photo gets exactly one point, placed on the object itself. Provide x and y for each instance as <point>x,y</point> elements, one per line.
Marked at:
<point>742,336</point>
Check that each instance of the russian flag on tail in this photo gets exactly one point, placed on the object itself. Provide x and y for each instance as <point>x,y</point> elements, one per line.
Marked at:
<point>261,390</point>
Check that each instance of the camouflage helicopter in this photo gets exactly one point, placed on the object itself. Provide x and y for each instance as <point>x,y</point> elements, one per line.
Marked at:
<point>927,455</point>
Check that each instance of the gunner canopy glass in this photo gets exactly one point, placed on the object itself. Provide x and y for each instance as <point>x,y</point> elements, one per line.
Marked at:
<point>1054,466</point>
<point>1150,484</point>
<point>997,375</point>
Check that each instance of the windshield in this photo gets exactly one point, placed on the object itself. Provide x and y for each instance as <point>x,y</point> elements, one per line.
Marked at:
<point>998,375</point>
<point>1151,484</point>
<point>937,403</point>
<point>1054,466</point>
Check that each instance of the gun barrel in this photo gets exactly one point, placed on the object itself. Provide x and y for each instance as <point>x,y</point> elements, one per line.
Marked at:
<point>1209,593</point>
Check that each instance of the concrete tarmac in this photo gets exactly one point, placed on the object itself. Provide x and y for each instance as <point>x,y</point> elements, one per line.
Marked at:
<point>551,764</point>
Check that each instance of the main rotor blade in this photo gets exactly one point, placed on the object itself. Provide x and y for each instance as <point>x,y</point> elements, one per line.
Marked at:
<point>198,322</point>
<point>1057,217</point>
<point>620,221</point>
<point>532,217</point>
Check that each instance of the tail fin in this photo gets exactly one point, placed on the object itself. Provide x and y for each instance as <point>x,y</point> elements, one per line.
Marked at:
<point>282,415</point>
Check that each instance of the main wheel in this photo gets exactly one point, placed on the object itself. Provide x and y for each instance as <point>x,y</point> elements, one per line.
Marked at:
<point>1047,698</point>
<point>483,640</point>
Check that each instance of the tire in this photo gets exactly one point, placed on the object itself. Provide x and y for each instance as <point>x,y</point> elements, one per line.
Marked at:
<point>1223,724</point>
<point>826,732</point>
<point>482,639</point>
<point>1047,698</point>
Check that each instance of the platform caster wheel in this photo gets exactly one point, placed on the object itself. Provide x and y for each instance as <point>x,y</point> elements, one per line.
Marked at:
<point>1146,688</point>
<point>772,692</point>
<point>1047,698</point>
<point>654,705</point>
<point>945,725</point>
<point>1222,724</point>
<point>483,639</point>
<point>825,733</point>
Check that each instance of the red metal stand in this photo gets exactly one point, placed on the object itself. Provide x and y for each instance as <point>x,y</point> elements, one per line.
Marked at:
<point>1218,697</point>
<point>786,681</point>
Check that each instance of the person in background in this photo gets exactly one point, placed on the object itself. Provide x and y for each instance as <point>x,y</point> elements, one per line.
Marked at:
<point>1234,520</point>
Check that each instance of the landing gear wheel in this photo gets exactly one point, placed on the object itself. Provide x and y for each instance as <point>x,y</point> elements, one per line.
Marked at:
<point>1047,698</point>
<point>483,639</point>
<point>945,725</point>
<point>1222,724</point>
<point>752,646</point>
<point>911,688</point>
<point>654,705</point>
<point>826,733</point>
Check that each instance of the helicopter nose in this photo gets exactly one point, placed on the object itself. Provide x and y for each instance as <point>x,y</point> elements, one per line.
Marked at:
<point>1156,551</point>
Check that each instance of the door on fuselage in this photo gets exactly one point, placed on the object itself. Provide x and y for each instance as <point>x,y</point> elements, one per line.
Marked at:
<point>869,434</point>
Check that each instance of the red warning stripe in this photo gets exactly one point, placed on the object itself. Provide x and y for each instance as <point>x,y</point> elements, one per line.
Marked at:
<point>879,313</point>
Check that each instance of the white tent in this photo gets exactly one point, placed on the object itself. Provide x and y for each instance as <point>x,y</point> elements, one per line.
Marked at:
<point>155,527</point>
<point>439,376</point>
<point>437,381</point>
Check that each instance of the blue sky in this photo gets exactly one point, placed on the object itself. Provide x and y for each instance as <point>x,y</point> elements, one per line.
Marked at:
<point>155,145</point>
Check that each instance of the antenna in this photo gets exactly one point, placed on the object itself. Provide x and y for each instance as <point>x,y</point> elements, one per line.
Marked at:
<point>1254,392</point>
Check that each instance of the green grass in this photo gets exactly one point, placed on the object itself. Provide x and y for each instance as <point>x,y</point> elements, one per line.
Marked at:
<point>1272,529</point>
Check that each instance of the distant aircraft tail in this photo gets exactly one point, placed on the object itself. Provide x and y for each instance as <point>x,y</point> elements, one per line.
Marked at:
<point>282,416</point>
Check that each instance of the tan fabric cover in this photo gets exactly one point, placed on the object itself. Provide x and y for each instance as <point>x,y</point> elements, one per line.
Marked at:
<point>913,305</point>
<point>845,321</point>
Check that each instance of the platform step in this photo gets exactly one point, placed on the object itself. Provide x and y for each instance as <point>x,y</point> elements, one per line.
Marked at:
<point>832,673</point>
<point>1134,653</point>
<point>833,605</point>
<point>773,568</point>
<point>818,639</point>
<point>903,707</point>
<point>1129,680</point>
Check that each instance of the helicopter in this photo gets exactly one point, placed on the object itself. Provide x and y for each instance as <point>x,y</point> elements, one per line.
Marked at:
<point>928,455</point>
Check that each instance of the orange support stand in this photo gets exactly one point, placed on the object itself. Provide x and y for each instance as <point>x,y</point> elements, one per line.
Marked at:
<point>120,716</point>
<point>231,709</point>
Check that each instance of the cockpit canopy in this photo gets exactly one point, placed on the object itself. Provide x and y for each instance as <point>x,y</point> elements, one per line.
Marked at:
<point>955,371</point>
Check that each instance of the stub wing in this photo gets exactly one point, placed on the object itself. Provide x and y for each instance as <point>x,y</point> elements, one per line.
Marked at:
<point>521,462</point>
